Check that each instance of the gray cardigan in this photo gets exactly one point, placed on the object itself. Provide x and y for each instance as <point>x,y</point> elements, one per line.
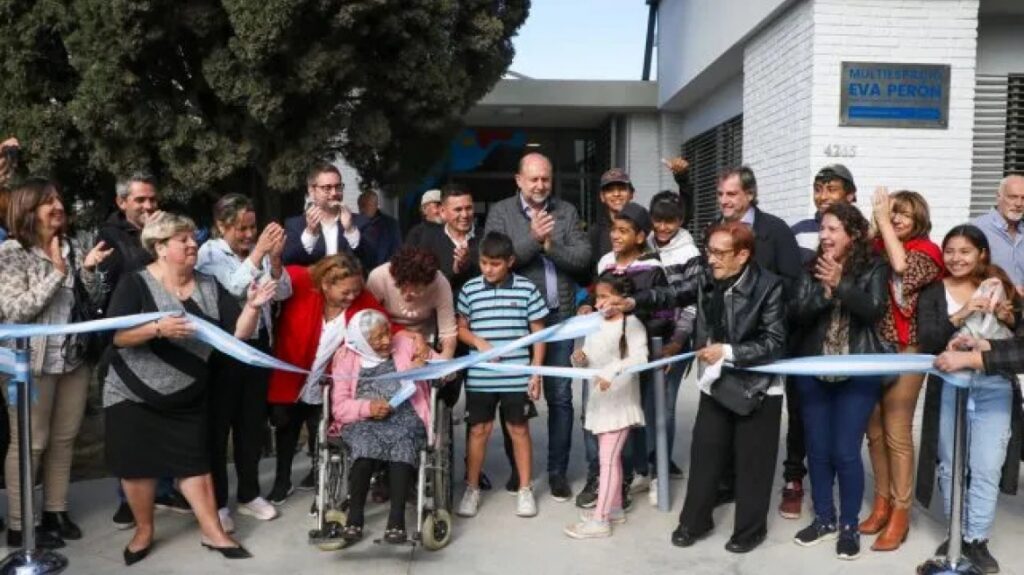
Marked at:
<point>570,247</point>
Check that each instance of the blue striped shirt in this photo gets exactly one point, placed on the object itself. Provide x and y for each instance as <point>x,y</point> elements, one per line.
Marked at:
<point>500,314</point>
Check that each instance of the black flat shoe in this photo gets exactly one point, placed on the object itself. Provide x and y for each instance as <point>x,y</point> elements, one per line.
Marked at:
<point>59,523</point>
<point>44,539</point>
<point>233,552</point>
<point>683,537</point>
<point>735,546</point>
<point>133,557</point>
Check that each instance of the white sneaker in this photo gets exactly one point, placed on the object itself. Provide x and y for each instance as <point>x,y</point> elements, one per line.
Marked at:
<point>526,505</point>
<point>259,508</point>
<point>640,483</point>
<point>652,493</point>
<point>615,516</point>
<point>589,529</point>
<point>470,503</point>
<point>226,522</point>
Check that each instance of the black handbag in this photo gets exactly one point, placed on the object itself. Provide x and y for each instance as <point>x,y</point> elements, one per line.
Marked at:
<point>738,392</point>
<point>90,346</point>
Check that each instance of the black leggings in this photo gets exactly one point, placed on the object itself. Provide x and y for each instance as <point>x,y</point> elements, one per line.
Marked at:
<point>288,421</point>
<point>400,477</point>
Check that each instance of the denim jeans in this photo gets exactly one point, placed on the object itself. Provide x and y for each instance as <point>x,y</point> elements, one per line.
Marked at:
<point>835,421</point>
<point>988,433</point>
<point>673,379</point>
<point>634,455</point>
<point>558,395</point>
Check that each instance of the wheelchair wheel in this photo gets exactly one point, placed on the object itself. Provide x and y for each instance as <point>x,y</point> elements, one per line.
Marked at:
<point>334,521</point>
<point>437,530</point>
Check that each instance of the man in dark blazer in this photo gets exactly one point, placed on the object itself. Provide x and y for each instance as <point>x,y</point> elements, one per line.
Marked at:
<point>327,227</point>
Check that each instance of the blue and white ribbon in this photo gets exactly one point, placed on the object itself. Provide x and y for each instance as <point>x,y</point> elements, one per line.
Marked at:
<point>573,328</point>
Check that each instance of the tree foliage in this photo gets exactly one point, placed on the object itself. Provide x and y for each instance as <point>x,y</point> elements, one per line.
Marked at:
<point>218,95</point>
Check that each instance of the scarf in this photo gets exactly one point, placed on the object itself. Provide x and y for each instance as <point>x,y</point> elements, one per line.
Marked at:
<point>716,309</point>
<point>356,340</point>
<point>902,320</point>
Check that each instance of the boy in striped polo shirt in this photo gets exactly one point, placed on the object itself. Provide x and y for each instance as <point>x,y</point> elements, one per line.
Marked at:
<point>493,309</point>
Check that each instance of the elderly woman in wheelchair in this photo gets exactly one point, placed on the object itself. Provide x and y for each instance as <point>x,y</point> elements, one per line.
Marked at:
<point>374,431</point>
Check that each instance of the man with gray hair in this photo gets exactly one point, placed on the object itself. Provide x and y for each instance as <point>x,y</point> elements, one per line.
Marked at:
<point>1002,226</point>
<point>137,203</point>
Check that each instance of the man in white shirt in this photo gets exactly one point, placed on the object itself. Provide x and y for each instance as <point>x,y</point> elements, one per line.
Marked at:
<point>327,227</point>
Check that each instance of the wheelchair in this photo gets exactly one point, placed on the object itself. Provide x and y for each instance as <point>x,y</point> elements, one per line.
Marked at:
<point>434,488</point>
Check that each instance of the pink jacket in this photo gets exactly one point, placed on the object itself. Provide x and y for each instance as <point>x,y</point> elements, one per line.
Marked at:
<point>345,408</point>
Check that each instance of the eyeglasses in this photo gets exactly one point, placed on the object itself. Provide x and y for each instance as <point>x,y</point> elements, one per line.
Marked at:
<point>720,254</point>
<point>330,187</point>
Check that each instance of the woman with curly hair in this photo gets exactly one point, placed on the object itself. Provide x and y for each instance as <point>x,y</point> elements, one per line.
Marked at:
<point>417,297</point>
<point>840,302</point>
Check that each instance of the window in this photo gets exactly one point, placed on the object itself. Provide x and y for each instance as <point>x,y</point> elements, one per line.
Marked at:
<point>709,154</point>
<point>1013,162</point>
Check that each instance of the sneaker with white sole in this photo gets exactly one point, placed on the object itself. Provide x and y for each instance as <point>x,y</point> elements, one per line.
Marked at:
<point>470,503</point>
<point>615,516</point>
<point>259,508</point>
<point>589,529</point>
<point>226,522</point>
<point>652,493</point>
<point>639,483</point>
<point>526,504</point>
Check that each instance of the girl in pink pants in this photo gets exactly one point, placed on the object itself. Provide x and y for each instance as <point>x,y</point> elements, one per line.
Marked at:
<point>614,405</point>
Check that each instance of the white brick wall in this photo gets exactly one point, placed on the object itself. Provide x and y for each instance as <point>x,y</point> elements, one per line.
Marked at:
<point>936,163</point>
<point>777,76</point>
<point>791,98</point>
<point>649,138</point>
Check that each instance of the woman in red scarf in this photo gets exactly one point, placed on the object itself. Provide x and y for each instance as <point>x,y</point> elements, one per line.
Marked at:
<point>903,224</point>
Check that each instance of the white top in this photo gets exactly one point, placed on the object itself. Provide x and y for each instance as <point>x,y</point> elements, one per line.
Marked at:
<point>618,407</point>
<point>330,232</point>
<point>331,337</point>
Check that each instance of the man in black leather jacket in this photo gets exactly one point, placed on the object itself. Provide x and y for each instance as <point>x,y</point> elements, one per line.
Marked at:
<point>741,317</point>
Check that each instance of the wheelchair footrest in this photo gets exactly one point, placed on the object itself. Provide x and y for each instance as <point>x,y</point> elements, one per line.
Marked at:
<point>331,533</point>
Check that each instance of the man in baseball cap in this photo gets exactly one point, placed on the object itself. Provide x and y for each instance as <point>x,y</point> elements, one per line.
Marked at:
<point>430,206</point>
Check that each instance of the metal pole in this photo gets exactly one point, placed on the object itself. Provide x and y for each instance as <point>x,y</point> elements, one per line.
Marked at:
<point>955,562</point>
<point>661,428</point>
<point>959,471</point>
<point>652,17</point>
<point>28,560</point>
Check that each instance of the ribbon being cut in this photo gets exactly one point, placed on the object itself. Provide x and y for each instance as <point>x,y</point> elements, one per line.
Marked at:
<point>573,328</point>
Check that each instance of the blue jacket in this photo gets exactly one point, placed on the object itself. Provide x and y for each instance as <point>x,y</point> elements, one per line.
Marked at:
<point>381,238</point>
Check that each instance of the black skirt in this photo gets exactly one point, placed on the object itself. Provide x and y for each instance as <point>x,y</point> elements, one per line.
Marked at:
<point>145,442</point>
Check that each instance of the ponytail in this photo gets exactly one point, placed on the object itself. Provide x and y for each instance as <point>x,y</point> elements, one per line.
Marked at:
<point>623,345</point>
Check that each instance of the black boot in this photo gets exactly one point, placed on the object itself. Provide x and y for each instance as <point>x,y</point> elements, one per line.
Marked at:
<point>58,523</point>
<point>44,539</point>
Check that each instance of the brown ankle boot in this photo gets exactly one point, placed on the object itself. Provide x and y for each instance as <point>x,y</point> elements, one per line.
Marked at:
<point>895,532</point>
<point>878,518</point>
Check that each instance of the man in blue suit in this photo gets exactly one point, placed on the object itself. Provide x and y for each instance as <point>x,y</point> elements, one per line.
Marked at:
<point>327,227</point>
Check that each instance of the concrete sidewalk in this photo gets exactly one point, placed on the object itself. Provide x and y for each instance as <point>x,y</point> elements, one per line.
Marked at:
<point>496,541</point>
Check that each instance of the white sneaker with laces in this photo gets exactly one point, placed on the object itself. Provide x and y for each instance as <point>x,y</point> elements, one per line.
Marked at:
<point>589,529</point>
<point>259,508</point>
<point>226,522</point>
<point>526,505</point>
<point>640,483</point>
<point>615,516</point>
<point>470,503</point>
